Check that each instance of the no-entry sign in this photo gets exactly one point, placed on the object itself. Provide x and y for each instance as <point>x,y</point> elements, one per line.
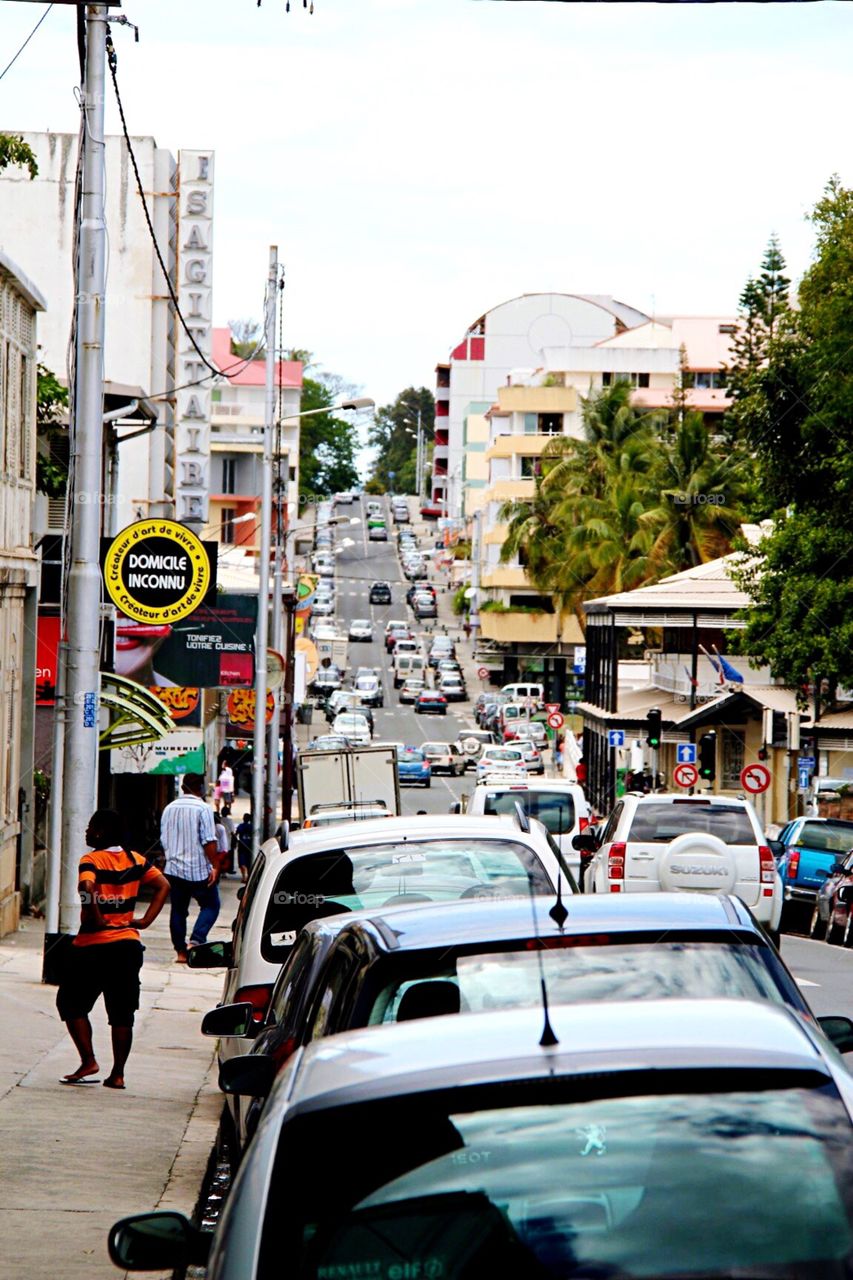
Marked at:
<point>555,720</point>
<point>157,571</point>
<point>755,778</point>
<point>483,672</point>
<point>685,775</point>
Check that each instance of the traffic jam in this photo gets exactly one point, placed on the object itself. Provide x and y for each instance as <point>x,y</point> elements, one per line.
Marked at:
<point>470,1027</point>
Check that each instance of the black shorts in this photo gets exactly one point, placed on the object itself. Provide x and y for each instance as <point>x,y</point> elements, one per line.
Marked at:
<point>110,969</point>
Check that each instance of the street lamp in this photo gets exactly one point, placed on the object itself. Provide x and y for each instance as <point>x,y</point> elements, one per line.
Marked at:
<point>260,828</point>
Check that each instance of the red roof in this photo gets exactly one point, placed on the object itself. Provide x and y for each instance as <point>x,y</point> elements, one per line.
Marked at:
<point>287,374</point>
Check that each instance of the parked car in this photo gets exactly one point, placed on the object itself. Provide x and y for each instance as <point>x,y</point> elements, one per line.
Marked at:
<point>808,850</point>
<point>431,702</point>
<point>411,689</point>
<point>832,919</point>
<point>323,607</point>
<point>701,843</point>
<point>413,768</point>
<point>622,1150</point>
<point>444,757</point>
<point>380,593</point>
<point>353,726</point>
<point>361,629</point>
<point>326,680</point>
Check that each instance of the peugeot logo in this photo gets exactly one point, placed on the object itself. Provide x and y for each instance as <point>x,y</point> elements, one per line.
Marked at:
<point>679,870</point>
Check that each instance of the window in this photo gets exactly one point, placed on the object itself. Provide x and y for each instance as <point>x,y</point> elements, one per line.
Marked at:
<point>550,424</point>
<point>25,423</point>
<point>531,423</point>
<point>229,475</point>
<point>633,379</point>
<point>227,525</point>
<point>531,467</point>
<point>733,759</point>
<point>555,808</point>
<point>660,823</point>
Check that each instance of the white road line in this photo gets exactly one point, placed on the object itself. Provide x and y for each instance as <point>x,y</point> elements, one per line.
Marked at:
<point>804,982</point>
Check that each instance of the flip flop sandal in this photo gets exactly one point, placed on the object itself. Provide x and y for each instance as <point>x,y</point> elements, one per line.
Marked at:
<point>109,1085</point>
<point>82,1080</point>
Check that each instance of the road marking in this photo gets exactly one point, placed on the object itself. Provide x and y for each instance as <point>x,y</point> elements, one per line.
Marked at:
<point>804,982</point>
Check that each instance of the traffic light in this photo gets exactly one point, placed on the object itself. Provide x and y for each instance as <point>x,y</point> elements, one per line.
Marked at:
<point>653,728</point>
<point>708,757</point>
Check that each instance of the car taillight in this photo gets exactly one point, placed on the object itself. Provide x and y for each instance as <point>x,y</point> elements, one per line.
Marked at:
<point>616,866</point>
<point>583,823</point>
<point>258,997</point>
<point>768,870</point>
<point>793,865</point>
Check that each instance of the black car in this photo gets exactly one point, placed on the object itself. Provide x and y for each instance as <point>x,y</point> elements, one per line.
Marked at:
<point>380,593</point>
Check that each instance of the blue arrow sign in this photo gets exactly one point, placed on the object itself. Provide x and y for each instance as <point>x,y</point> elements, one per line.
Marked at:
<point>685,753</point>
<point>803,778</point>
<point>616,737</point>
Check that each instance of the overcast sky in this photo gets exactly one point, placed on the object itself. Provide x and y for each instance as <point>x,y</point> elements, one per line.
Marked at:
<point>419,161</point>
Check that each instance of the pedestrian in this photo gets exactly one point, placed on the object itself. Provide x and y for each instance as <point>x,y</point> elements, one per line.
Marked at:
<point>580,773</point>
<point>188,837</point>
<point>223,846</point>
<point>226,787</point>
<point>243,837</point>
<point>105,957</point>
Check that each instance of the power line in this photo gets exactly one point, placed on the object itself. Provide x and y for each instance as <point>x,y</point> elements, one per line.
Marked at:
<point>11,64</point>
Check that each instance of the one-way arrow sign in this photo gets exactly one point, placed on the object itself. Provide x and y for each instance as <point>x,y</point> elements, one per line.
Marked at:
<point>685,753</point>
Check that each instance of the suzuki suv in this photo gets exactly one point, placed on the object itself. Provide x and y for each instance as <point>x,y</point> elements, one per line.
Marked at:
<point>701,844</point>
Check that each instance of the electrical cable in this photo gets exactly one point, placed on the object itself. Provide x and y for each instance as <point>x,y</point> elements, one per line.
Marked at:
<point>112,63</point>
<point>9,65</point>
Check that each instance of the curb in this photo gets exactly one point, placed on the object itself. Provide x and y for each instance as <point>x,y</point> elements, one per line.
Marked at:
<point>185,1185</point>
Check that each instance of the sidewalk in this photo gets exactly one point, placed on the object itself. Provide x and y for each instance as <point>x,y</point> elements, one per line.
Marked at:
<point>73,1160</point>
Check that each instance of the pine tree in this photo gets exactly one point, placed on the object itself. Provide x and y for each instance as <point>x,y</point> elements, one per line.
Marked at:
<point>774,287</point>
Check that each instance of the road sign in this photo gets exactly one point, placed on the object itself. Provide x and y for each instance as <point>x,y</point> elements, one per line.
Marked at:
<point>552,708</point>
<point>755,778</point>
<point>685,775</point>
<point>685,753</point>
<point>803,779</point>
<point>615,737</point>
<point>579,664</point>
<point>806,762</point>
<point>555,720</point>
<point>483,673</point>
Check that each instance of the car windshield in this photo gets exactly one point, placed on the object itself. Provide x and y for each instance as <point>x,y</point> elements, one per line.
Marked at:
<point>658,823</point>
<point>667,1174</point>
<point>556,809</point>
<point>826,837</point>
<point>410,756</point>
<point>502,753</point>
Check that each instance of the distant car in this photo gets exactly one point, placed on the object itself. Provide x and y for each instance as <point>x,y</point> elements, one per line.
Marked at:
<point>326,680</point>
<point>347,700</point>
<point>380,593</point>
<point>471,744</point>
<point>441,647</point>
<point>453,688</point>
<point>533,761</point>
<point>323,607</point>
<point>812,846</point>
<point>343,499</point>
<point>377,533</point>
<point>534,731</point>
<point>413,768</point>
<point>498,759</point>
<point>403,632</point>
<point>411,689</point>
<point>423,606</point>
<point>361,629</point>
<point>444,757</point>
<point>326,815</point>
<point>353,727</point>
<point>559,805</point>
<point>432,703</point>
<point>370,689</point>
<point>328,742</point>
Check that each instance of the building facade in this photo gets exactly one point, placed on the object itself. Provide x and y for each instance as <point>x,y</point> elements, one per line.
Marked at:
<point>20,302</point>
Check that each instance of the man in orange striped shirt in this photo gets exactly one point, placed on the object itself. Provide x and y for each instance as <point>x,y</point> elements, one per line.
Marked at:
<point>106,955</point>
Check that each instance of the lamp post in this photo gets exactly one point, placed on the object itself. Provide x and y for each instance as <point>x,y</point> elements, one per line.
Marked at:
<point>260,824</point>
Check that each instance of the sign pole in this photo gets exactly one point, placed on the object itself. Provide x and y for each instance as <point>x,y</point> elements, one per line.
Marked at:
<point>260,828</point>
<point>82,614</point>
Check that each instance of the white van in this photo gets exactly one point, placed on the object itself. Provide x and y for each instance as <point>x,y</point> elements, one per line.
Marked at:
<point>409,664</point>
<point>523,692</point>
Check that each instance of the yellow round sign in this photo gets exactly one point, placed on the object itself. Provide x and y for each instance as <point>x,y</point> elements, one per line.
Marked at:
<point>156,571</point>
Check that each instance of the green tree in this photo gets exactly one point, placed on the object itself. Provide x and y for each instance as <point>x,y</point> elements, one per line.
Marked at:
<point>393,434</point>
<point>52,437</point>
<point>14,151</point>
<point>801,580</point>
<point>327,444</point>
<point>247,339</point>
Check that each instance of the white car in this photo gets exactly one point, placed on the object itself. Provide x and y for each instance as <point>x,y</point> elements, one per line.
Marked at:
<point>361,629</point>
<point>533,761</point>
<point>534,731</point>
<point>700,844</point>
<point>353,727</point>
<point>499,759</point>
<point>559,805</point>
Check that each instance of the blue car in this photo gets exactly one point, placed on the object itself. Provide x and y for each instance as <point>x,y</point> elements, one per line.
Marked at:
<point>810,849</point>
<point>413,768</point>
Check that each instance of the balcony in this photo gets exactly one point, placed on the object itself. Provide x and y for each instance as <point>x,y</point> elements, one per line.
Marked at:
<point>671,673</point>
<point>509,576</point>
<point>508,445</point>
<point>518,626</point>
<point>510,491</point>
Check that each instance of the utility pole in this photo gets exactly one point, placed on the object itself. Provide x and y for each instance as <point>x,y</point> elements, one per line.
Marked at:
<point>289,687</point>
<point>420,460</point>
<point>474,603</point>
<point>259,823</point>
<point>78,716</point>
<point>276,640</point>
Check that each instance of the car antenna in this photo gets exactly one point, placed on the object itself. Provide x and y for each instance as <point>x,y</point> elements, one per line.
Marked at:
<point>548,1038</point>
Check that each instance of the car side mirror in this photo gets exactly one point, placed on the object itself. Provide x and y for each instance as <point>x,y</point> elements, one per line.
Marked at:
<point>845,893</point>
<point>249,1076</point>
<point>157,1242</point>
<point>211,955</point>
<point>838,866</point>
<point>229,1020</point>
<point>585,842</point>
<point>839,1031</point>
<point>777,848</point>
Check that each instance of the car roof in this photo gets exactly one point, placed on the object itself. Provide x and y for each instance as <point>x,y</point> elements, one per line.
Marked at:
<point>534,784</point>
<point>458,1049</point>
<point>669,797</point>
<point>388,829</point>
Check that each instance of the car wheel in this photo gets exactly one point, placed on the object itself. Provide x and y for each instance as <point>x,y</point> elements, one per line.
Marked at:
<point>795,918</point>
<point>847,936</point>
<point>817,927</point>
<point>428,784</point>
<point>831,932</point>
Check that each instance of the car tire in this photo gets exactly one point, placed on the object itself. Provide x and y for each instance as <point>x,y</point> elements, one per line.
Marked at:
<point>847,935</point>
<point>428,784</point>
<point>831,931</point>
<point>817,927</point>
<point>795,918</point>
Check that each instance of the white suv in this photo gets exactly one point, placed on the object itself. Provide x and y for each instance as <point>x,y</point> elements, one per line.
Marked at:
<point>703,843</point>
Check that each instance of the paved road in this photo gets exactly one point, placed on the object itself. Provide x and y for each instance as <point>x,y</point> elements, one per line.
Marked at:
<point>824,972</point>
<point>357,567</point>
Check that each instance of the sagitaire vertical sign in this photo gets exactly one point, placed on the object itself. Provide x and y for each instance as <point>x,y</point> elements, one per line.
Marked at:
<point>195,294</point>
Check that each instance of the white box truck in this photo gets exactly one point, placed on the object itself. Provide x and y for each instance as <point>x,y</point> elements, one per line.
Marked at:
<point>357,779</point>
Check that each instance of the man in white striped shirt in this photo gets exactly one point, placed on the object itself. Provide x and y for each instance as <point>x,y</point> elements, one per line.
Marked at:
<point>188,837</point>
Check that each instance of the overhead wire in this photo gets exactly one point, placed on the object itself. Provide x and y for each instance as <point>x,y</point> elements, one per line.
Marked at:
<point>9,65</point>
